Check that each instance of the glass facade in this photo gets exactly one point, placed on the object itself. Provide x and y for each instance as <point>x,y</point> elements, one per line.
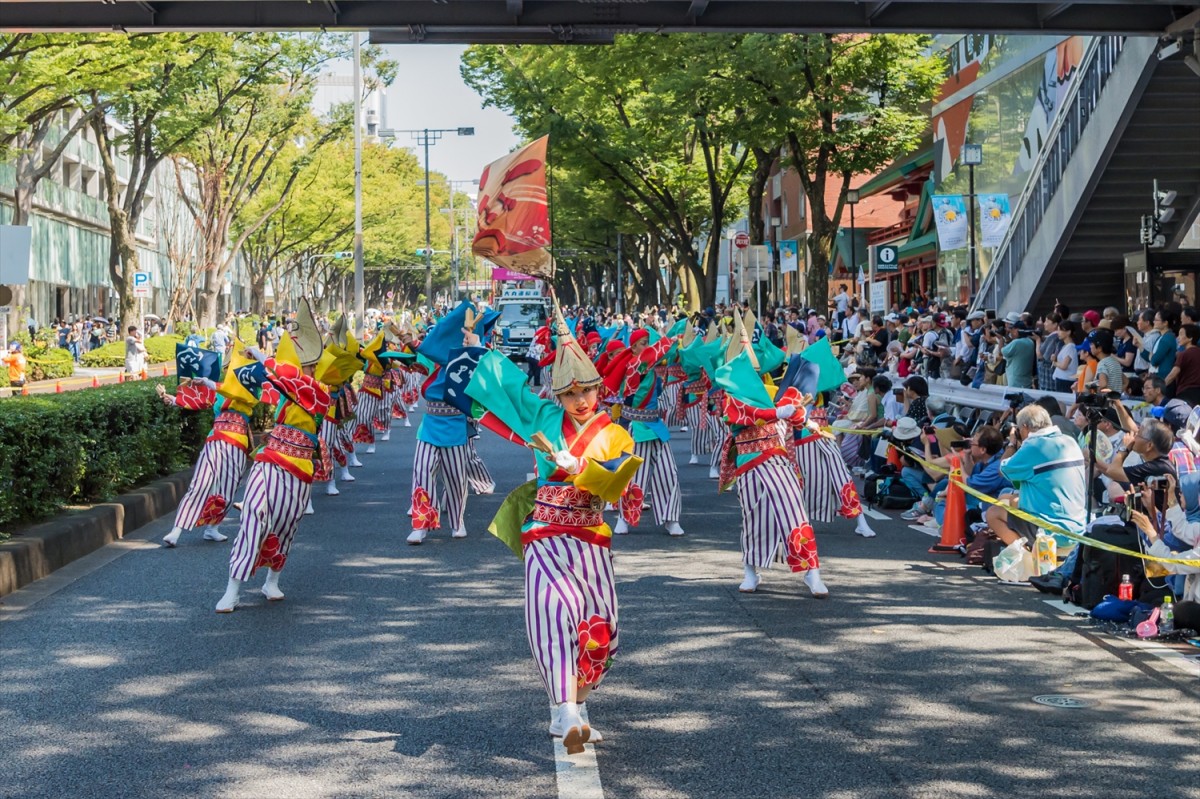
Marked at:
<point>1003,93</point>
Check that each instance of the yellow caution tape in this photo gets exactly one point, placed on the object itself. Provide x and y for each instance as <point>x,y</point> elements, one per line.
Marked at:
<point>1046,525</point>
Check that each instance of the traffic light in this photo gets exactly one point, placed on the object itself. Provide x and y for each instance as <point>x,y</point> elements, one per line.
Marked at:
<point>1163,212</point>
<point>338,256</point>
<point>420,251</point>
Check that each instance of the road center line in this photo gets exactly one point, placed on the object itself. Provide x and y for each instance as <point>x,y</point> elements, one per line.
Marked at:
<point>578,776</point>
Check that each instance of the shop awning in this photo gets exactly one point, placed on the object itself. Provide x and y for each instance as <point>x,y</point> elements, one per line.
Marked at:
<point>896,172</point>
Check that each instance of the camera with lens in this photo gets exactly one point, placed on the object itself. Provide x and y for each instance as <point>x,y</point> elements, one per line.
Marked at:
<point>885,434</point>
<point>1007,429</point>
<point>1017,400</point>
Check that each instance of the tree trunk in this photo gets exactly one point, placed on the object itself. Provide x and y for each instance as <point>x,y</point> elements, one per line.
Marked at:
<point>755,192</point>
<point>258,294</point>
<point>209,295</point>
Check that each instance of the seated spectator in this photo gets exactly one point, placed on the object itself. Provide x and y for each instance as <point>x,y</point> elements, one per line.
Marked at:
<point>912,474</point>
<point>1152,442</point>
<point>939,415</point>
<point>1047,470</point>
<point>916,394</point>
<point>1187,532</point>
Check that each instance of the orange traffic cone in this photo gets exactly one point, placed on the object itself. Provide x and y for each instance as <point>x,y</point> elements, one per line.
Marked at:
<point>164,371</point>
<point>954,523</point>
<point>57,387</point>
<point>121,377</point>
<point>25,391</point>
<point>144,375</point>
<point>95,382</point>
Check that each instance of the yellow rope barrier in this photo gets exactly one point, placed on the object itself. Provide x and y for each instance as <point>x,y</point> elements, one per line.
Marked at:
<point>1042,523</point>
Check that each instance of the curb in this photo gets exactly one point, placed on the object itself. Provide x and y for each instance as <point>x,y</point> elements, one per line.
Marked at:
<point>51,545</point>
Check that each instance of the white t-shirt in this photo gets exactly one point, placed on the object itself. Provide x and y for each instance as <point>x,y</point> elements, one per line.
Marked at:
<point>851,325</point>
<point>841,302</point>
<point>1066,363</point>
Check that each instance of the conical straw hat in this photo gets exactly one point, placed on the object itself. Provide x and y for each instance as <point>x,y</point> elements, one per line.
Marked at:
<point>309,342</point>
<point>572,367</point>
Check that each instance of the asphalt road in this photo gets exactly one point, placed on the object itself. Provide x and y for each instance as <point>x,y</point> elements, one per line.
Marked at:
<point>400,671</point>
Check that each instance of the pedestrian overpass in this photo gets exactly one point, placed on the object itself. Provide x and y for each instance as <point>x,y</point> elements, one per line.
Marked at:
<point>597,21</point>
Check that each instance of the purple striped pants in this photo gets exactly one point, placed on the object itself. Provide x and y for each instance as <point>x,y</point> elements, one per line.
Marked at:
<point>668,402</point>
<point>218,470</point>
<point>659,478</point>
<point>772,507</point>
<point>700,428</point>
<point>567,582</point>
<point>450,463</point>
<point>717,430</point>
<point>824,474</point>
<point>273,504</point>
<point>478,477</point>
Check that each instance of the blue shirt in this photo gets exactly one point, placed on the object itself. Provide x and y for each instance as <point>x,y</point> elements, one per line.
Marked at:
<point>986,477</point>
<point>1020,356</point>
<point>1048,471</point>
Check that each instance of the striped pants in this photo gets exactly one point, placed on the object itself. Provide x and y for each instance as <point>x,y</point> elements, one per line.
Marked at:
<point>717,430</point>
<point>668,403</point>
<point>271,511</point>
<point>829,488</point>
<point>699,426</point>
<point>331,436</point>
<point>367,416</point>
<point>412,388</point>
<point>450,463</point>
<point>214,482</point>
<point>478,477</point>
<point>658,477</point>
<point>773,514</point>
<point>570,592</point>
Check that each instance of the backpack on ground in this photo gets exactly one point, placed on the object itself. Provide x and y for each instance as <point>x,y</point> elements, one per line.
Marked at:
<point>1098,572</point>
<point>888,492</point>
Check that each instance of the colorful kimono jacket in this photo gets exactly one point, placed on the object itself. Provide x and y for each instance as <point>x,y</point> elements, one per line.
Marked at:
<point>556,523</point>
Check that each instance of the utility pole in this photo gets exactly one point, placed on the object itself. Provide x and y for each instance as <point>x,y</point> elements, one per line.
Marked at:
<point>620,290</point>
<point>359,283</point>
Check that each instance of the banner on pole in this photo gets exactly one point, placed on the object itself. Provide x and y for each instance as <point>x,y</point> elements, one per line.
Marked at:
<point>994,218</point>
<point>950,214</point>
<point>789,257</point>
<point>513,213</point>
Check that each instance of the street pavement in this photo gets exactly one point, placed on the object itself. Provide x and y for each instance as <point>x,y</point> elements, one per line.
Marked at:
<point>399,671</point>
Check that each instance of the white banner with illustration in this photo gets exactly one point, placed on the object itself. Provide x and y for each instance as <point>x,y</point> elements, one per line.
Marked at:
<point>950,215</point>
<point>994,218</point>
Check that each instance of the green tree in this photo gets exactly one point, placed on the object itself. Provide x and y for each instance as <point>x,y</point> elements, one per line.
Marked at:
<point>640,116</point>
<point>157,115</point>
<point>840,105</point>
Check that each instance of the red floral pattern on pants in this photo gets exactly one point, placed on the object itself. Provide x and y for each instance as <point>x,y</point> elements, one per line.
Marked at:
<point>631,504</point>
<point>397,410</point>
<point>269,554</point>
<point>595,638</point>
<point>363,434</point>
<point>802,549</point>
<point>424,515</point>
<point>851,505</point>
<point>213,511</point>
<point>323,463</point>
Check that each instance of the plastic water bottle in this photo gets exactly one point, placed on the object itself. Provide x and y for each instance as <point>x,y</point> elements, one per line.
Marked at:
<point>1126,589</point>
<point>1166,619</point>
<point>1047,553</point>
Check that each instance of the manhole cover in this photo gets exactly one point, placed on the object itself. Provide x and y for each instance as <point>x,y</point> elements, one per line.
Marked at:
<point>1059,700</point>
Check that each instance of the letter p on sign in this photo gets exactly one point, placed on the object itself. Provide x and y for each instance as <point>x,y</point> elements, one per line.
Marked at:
<point>141,284</point>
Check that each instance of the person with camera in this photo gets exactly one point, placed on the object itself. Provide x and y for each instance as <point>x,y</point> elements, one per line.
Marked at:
<point>1020,355</point>
<point>1183,544</point>
<point>1047,469</point>
<point>1152,443</point>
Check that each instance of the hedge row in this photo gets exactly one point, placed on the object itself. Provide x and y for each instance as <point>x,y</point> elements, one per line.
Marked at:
<point>87,446</point>
<point>159,349</point>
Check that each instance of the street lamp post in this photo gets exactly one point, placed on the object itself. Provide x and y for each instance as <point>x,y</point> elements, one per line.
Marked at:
<point>359,278</point>
<point>852,198</point>
<point>972,156</point>
<point>425,137</point>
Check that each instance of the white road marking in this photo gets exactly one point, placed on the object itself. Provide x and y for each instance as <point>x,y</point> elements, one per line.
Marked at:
<point>874,514</point>
<point>925,530</point>
<point>578,776</point>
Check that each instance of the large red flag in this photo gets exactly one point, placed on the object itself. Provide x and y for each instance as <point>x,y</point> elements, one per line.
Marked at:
<point>514,212</point>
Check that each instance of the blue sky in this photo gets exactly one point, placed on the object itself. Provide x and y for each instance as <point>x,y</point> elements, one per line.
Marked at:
<point>429,93</point>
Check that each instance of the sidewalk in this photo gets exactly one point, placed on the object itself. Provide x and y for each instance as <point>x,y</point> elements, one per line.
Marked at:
<point>86,378</point>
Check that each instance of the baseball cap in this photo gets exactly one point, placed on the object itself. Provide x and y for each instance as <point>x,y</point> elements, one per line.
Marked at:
<point>1092,317</point>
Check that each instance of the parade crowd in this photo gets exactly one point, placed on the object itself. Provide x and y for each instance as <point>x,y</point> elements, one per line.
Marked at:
<point>792,413</point>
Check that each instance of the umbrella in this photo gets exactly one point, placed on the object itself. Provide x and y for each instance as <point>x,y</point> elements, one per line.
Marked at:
<point>151,316</point>
<point>100,319</point>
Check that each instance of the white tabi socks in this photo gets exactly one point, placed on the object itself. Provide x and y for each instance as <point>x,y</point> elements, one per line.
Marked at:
<point>863,528</point>
<point>212,534</point>
<point>673,529</point>
<point>407,423</point>
<point>309,511</point>
<point>343,474</point>
<point>232,593</point>
<point>812,578</point>
<point>172,538</point>
<point>387,434</point>
<point>331,489</point>
<point>370,449</point>
<point>622,528</point>
<point>270,588</point>
<point>569,726</point>
<point>750,583</point>
<point>352,460</point>
<point>694,460</point>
